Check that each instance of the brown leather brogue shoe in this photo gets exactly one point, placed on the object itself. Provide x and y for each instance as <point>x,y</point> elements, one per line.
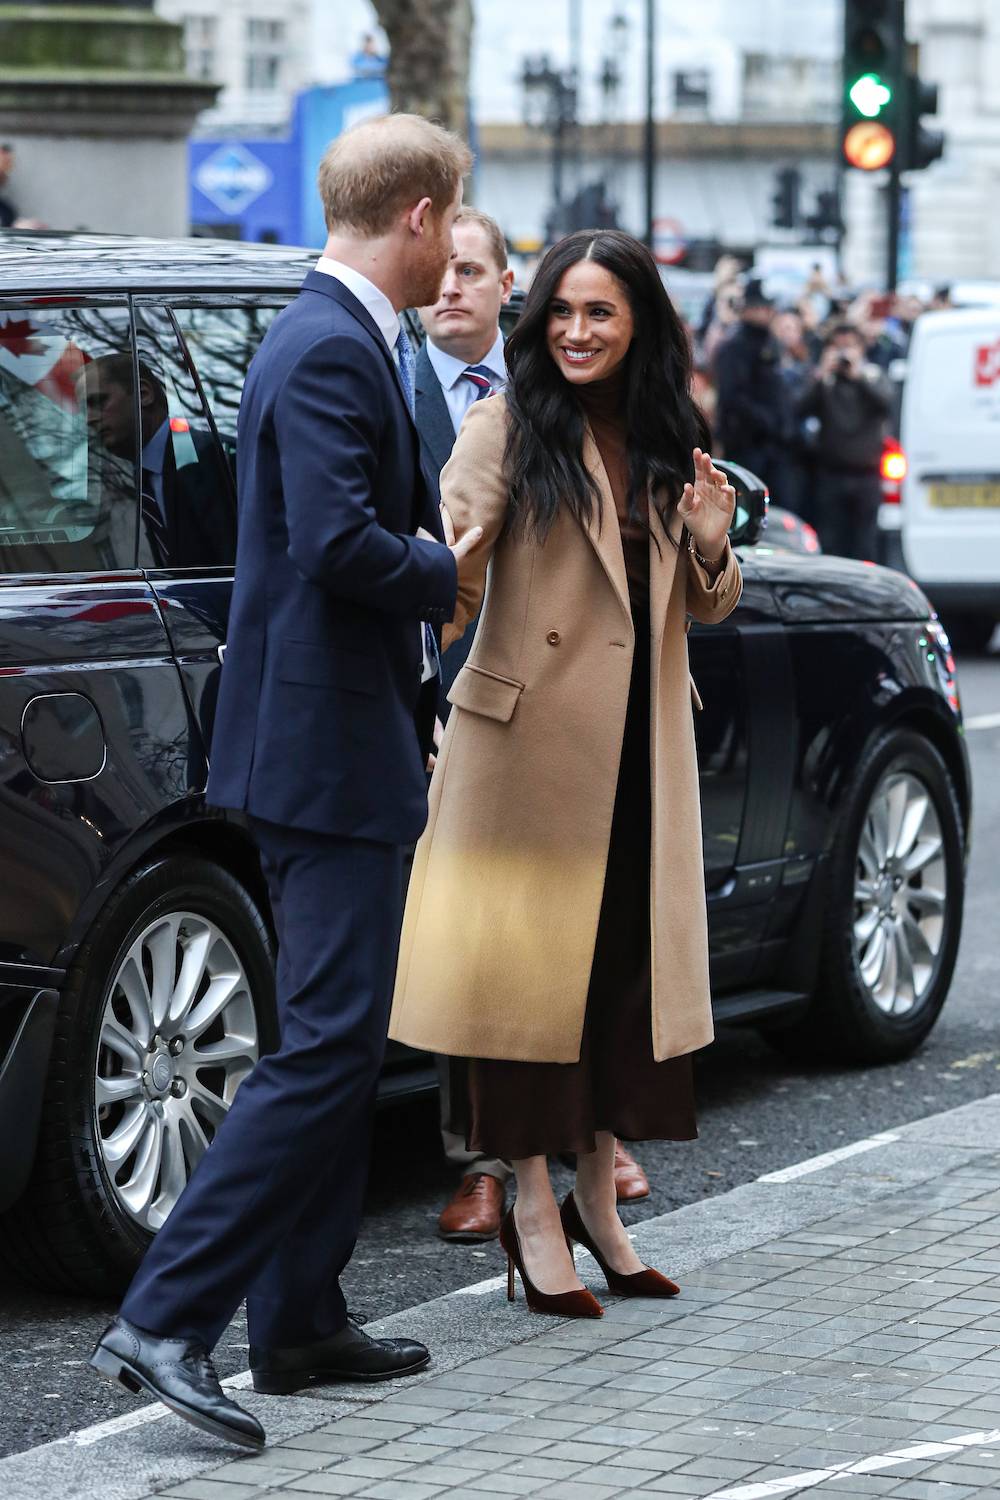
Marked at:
<point>631,1182</point>
<point>475,1211</point>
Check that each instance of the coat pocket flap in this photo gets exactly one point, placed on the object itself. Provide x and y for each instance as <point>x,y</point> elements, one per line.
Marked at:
<point>482,692</point>
<point>314,665</point>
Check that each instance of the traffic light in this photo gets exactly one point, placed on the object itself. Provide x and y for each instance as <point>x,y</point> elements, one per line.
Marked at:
<point>920,145</point>
<point>826,215</point>
<point>873,83</point>
<point>785,198</point>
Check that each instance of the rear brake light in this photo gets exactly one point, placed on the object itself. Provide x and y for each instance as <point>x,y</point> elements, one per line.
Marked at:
<point>894,464</point>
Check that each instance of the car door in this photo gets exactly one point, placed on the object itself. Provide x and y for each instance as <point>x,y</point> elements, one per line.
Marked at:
<point>745,734</point>
<point>199,349</point>
<point>93,728</point>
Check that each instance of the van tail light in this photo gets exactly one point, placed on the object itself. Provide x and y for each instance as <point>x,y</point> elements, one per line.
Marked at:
<point>892,471</point>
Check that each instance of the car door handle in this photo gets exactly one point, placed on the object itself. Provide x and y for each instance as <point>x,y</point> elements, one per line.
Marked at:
<point>221,652</point>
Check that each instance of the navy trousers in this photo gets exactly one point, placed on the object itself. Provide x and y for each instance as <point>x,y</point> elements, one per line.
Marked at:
<point>272,1211</point>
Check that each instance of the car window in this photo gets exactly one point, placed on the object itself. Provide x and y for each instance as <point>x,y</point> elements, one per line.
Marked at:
<point>222,341</point>
<point>187,510</point>
<point>68,493</point>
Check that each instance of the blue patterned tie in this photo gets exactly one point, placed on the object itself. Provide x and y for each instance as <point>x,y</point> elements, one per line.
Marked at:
<point>481,378</point>
<point>404,350</point>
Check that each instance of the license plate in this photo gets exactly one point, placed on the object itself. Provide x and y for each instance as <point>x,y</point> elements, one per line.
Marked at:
<point>964,496</point>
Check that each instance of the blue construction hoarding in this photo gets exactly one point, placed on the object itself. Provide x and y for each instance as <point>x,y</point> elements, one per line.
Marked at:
<point>266,189</point>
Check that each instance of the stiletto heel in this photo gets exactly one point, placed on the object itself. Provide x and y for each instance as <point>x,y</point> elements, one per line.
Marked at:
<point>578,1303</point>
<point>644,1283</point>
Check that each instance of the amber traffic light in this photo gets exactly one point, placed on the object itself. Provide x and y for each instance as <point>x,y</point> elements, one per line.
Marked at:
<point>872,82</point>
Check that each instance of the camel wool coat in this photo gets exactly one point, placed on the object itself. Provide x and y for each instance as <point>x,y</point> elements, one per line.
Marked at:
<point>505,894</point>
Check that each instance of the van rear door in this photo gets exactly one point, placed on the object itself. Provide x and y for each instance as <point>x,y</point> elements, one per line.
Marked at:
<point>951,437</point>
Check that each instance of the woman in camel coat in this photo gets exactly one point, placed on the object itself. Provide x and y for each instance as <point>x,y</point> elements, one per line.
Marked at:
<point>555,932</point>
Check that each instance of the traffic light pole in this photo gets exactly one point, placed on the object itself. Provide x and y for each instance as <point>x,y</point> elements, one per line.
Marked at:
<point>894,203</point>
<point>649,132</point>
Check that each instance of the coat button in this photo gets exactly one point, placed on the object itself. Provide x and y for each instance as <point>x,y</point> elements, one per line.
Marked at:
<point>553,637</point>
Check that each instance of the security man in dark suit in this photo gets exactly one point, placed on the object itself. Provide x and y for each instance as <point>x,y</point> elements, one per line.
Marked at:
<point>316,742</point>
<point>186,518</point>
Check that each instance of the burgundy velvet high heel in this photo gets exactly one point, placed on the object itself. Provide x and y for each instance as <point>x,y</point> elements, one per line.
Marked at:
<point>644,1283</point>
<point>578,1303</point>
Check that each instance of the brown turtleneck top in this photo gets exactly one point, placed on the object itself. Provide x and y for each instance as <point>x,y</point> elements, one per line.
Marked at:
<point>603,403</point>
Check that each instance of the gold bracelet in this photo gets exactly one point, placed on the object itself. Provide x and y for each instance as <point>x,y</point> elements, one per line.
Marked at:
<point>704,560</point>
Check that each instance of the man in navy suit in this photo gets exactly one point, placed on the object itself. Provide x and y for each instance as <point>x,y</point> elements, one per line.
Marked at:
<point>341,572</point>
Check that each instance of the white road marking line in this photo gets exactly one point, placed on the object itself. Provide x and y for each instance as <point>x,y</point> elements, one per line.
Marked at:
<point>817,1163</point>
<point>87,1436</point>
<point>480,1288</point>
<point>983,721</point>
<point>768,1487</point>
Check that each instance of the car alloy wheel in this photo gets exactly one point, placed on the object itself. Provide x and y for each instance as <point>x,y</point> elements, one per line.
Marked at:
<point>178,1035</point>
<point>899,894</point>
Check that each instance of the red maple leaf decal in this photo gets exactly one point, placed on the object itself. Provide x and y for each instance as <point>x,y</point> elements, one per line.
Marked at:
<point>16,338</point>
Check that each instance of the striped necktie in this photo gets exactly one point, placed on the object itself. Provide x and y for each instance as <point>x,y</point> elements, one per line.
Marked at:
<point>481,378</point>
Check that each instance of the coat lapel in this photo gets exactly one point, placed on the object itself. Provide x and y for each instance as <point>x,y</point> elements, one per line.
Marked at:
<point>319,281</point>
<point>603,529</point>
<point>433,418</point>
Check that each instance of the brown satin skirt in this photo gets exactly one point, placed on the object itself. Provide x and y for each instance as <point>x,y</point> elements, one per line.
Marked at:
<point>518,1109</point>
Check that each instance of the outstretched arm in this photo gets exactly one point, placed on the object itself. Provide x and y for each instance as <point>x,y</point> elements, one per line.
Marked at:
<point>328,420</point>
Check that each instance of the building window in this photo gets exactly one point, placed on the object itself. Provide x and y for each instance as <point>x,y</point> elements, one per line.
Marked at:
<point>200,38</point>
<point>692,91</point>
<point>265,53</point>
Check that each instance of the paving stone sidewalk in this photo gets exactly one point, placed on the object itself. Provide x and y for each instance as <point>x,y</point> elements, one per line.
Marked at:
<point>838,1334</point>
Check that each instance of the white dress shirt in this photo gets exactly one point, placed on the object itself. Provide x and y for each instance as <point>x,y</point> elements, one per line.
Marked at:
<point>372,299</point>
<point>459,394</point>
<point>386,319</point>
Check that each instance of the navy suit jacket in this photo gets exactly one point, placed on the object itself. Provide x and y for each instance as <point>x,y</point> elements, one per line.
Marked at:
<point>315,726</point>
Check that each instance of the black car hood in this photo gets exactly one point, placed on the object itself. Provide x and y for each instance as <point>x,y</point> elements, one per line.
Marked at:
<point>811,590</point>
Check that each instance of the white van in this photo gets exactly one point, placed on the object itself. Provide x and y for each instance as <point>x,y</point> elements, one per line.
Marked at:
<point>950,433</point>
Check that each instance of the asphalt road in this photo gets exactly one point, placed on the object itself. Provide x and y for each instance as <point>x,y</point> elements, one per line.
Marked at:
<point>758,1112</point>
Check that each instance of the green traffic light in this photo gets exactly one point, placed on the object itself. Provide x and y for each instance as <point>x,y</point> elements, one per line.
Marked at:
<point>869,95</point>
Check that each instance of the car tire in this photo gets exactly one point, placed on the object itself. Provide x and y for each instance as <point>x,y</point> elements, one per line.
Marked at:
<point>864,1010</point>
<point>75,1229</point>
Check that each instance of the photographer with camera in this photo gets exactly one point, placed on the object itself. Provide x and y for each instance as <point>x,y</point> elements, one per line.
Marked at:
<point>847,401</point>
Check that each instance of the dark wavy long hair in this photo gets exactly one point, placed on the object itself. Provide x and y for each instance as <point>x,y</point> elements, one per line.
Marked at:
<point>543,460</point>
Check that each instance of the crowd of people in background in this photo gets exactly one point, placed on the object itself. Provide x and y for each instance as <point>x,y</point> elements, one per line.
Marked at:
<point>802,393</point>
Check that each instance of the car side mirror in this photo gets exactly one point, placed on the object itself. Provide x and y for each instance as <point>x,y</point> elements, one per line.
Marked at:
<point>750,516</point>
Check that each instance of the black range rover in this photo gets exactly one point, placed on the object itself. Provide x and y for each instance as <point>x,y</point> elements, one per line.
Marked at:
<point>135,944</point>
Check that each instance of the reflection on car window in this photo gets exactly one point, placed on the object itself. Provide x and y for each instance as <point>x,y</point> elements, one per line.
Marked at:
<point>67,440</point>
<point>222,341</point>
<point>187,514</point>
